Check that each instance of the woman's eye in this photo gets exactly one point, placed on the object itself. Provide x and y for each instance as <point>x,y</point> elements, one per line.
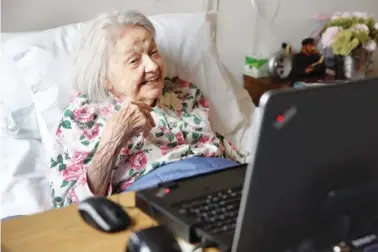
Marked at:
<point>155,52</point>
<point>133,61</point>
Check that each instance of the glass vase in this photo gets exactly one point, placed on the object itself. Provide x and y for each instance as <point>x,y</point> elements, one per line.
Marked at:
<point>353,66</point>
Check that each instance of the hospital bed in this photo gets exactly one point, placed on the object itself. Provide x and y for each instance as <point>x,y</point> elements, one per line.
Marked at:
<point>37,46</point>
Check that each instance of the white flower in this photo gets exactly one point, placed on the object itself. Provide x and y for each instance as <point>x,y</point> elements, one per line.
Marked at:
<point>360,27</point>
<point>329,35</point>
<point>371,46</point>
<point>363,15</point>
<point>347,15</point>
<point>376,26</point>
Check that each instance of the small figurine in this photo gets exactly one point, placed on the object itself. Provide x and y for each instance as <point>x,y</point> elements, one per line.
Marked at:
<point>308,63</point>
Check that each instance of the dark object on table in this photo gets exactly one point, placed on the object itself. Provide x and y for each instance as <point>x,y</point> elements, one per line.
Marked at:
<point>280,64</point>
<point>104,214</point>
<point>308,63</point>
<point>325,193</point>
<point>156,239</point>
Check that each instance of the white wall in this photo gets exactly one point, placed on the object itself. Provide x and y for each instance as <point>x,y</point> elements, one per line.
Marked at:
<point>239,32</point>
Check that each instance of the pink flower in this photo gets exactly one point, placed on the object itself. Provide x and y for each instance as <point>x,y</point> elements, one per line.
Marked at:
<point>84,114</point>
<point>180,138</point>
<point>82,180</point>
<point>183,83</point>
<point>92,132</point>
<point>138,161</point>
<point>125,151</point>
<point>204,140</point>
<point>165,150</point>
<point>105,112</point>
<point>203,102</point>
<point>73,196</point>
<point>58,132</point>
<point>79,157</point>
<point>231,145</point>
<point>73,172</point>
<point>329,35</point>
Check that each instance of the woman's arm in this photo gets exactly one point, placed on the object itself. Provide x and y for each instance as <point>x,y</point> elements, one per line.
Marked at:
<point>77,149</point>
<point>100,170</point>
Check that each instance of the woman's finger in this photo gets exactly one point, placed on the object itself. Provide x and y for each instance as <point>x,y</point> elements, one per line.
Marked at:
<point>142,105</point>
<point>148,116</point>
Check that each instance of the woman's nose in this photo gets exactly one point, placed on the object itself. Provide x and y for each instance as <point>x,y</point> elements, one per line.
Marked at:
<point>150,66</point>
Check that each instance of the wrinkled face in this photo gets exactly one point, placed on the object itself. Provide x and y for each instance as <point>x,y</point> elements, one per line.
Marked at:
<point>136,68</point>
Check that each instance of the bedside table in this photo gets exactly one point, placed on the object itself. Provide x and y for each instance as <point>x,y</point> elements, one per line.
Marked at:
<point>256,87</point>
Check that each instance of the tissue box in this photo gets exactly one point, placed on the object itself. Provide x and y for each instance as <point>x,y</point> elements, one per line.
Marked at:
<point>255,67</point>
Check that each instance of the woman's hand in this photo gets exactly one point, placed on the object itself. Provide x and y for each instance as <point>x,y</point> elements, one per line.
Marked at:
<point>133,119</point>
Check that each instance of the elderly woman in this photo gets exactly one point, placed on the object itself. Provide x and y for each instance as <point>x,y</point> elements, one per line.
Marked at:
<point>128,119</point>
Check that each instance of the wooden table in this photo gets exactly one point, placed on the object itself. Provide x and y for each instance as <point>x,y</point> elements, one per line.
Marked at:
<point>63,229</point>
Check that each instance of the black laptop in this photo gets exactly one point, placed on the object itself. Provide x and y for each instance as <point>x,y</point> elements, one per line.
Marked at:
<point>314,173</point>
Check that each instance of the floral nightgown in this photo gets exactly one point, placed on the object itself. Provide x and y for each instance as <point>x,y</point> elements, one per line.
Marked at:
<point>182,131</point>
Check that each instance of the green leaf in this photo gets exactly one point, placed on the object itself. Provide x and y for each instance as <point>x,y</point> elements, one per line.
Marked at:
<point>85,143</point>
<point>198,92</point>
<point>171,137</point>
<point>172,145</point>
<point>197,121</point>
<point>155,165</point>
<point>159,134</point>
<point>68,113</point>
<point>185,134</point>
<point>87,160</point>
<point>62,167</point>
<point>131,172</point>
<point>142,172</point>
<point>58,200</point>
<point>195,136</point>
<point>91,124</point>
<point>82,137</point>
<point>185,105</point>
<point>53,163</point>
<point>117,107</point>
<point>162,122</point>
<point>66,124</point>
<point>195,104</point>
<point>64,183</point>
<point>66,156</point>
<point>59,158</point>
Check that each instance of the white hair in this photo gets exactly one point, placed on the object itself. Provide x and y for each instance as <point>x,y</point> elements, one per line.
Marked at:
<point>92,61</point>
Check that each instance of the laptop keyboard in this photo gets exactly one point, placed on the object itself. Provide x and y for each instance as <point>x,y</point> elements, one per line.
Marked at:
<point>214,213</point>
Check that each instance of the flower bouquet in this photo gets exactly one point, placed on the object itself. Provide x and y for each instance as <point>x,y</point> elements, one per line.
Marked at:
<point>352,37</point>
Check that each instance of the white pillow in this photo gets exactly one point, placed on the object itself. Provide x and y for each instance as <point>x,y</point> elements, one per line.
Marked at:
<point>17,111</point>
<point>184,41</point>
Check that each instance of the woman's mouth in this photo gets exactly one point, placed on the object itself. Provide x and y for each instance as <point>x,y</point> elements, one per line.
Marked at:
<point>155,79</point>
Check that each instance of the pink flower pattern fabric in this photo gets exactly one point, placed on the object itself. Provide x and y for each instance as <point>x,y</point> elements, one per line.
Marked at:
<point>182,130</point>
